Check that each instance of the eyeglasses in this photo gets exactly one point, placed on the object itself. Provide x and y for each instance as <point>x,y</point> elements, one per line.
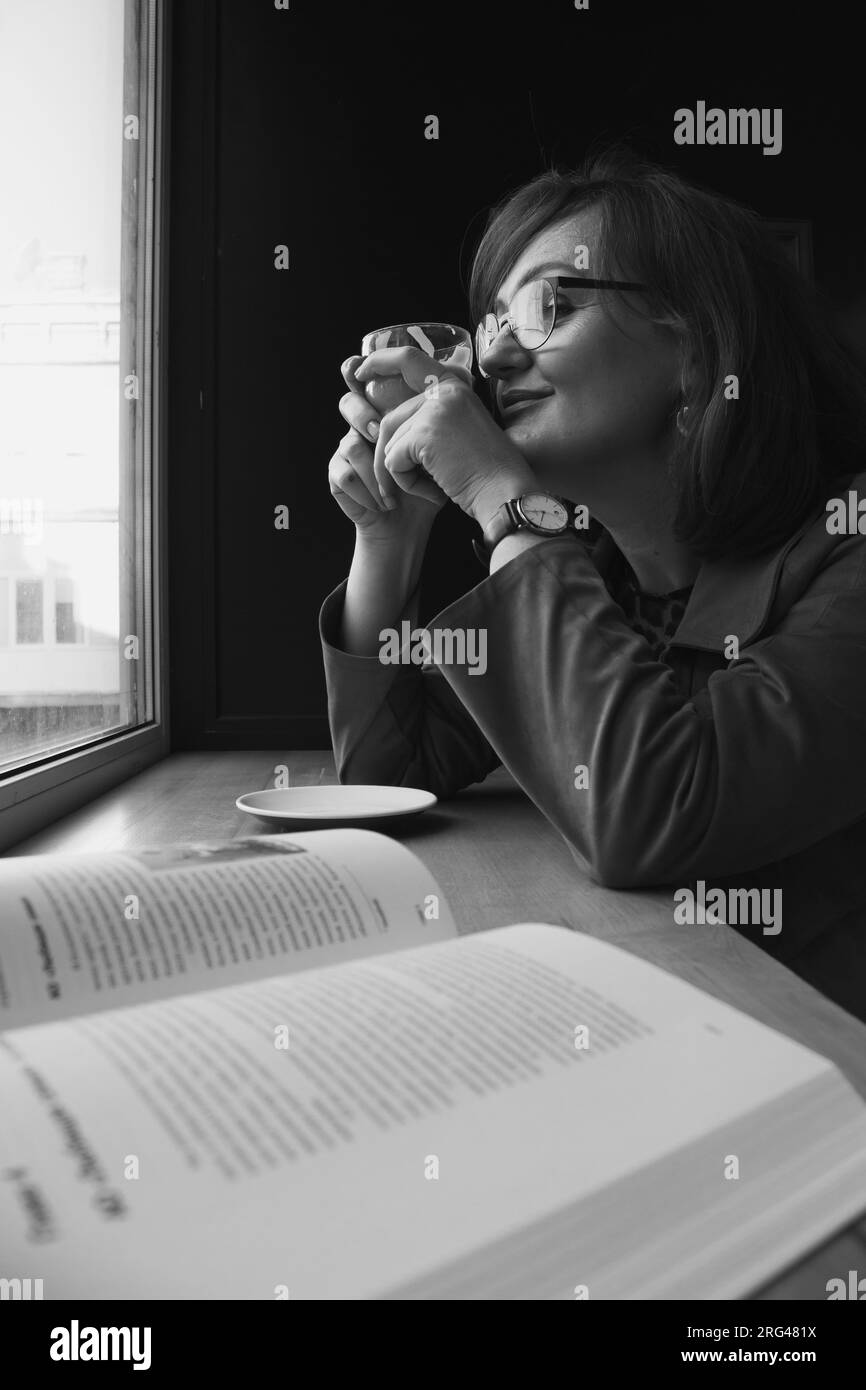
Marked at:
<point>532,313</point>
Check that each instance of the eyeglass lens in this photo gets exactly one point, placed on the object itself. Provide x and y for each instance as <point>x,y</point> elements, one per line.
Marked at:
<point>531,315</point>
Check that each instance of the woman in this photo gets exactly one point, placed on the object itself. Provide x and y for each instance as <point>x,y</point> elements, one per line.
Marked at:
<point>684,698</point>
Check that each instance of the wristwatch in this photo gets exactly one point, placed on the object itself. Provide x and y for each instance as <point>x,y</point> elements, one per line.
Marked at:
<point>539,512</point>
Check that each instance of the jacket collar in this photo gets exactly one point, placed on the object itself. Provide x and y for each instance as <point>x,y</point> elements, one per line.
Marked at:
<point>735,595</point>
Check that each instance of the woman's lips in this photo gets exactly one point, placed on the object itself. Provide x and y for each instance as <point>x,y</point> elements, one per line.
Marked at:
<point>521,405</point>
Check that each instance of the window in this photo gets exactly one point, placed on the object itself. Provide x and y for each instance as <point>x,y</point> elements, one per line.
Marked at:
<point>81,91</point>
<point>66,629</point>
<point>28,611</point>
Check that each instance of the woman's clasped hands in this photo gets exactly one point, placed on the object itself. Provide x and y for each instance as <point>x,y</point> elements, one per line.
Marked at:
<point>441,443</point>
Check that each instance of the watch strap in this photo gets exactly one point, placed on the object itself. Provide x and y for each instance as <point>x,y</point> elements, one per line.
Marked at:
<point>507,519</point>
<point>502,523</point>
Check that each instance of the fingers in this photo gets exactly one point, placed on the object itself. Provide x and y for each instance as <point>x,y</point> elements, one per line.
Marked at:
<point>394,426</point>
<point>350,472</point>
<point>414,365</point>
<point>417,368</point>
<point>397,469</point>
<point>419,485</point>
<point>381,477</point>
<point>354,407</point>
<point>347,371</point>
<point>385,484</point>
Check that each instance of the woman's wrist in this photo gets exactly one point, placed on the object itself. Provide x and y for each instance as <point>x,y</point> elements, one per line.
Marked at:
<point>395,541</point>
<point>397,563</point>
<point>381,589</point>
<point>499,490</point>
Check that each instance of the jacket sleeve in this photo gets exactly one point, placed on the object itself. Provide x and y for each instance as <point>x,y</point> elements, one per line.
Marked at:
<point>397,725</point>
<point>769,758</point>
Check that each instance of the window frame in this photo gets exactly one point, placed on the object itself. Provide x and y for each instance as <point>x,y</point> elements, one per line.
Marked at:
<point>53,785</point>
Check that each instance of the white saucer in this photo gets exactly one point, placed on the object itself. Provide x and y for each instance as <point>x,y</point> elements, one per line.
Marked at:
<point>336,805</point>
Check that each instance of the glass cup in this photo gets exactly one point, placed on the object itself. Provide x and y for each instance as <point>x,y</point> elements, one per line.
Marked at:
<point>443,342</point>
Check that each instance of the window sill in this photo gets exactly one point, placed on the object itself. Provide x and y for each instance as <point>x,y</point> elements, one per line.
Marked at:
<point>33,799</point>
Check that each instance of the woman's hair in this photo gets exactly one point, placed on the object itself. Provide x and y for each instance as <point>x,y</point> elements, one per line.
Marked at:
<point>750,470</point>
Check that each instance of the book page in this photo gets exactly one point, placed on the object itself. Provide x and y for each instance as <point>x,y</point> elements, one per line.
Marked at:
<point>86,932</point>
<point>419,1125</point>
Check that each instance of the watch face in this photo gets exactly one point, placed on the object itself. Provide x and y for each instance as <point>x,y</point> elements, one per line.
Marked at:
<point>543,511</point>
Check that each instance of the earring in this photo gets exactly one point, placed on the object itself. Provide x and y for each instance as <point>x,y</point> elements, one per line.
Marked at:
<point>683,411</point>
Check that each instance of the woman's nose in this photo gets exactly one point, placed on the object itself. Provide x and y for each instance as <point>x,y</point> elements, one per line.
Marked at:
<point>503,352</point>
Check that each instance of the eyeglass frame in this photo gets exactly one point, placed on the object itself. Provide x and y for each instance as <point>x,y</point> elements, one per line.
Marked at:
<point>554,281</point>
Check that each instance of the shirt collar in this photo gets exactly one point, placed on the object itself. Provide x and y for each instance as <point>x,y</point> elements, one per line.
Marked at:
<point>732,595</point>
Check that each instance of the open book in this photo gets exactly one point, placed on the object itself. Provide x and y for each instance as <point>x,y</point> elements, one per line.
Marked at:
<point>271,1068</point>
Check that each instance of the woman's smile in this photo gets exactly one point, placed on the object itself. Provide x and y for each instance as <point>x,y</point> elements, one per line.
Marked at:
<point>521,405</point>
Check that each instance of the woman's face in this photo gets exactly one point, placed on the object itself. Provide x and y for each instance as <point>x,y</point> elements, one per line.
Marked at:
<point>601,432</point>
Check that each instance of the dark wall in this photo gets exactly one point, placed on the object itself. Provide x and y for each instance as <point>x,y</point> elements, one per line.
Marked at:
<point>306,127</point>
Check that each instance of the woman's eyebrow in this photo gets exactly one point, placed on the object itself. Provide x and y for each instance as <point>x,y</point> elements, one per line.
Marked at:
<point>531,274</point>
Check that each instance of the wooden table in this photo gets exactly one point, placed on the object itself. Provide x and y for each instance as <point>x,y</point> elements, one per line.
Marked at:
<point>499,861</point>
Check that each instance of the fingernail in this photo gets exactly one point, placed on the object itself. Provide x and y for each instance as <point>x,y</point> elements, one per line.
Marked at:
<point>373,429</point>
<point>390,503</point>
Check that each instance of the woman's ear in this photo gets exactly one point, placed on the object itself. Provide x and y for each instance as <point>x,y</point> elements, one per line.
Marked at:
<point>690,367</point>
